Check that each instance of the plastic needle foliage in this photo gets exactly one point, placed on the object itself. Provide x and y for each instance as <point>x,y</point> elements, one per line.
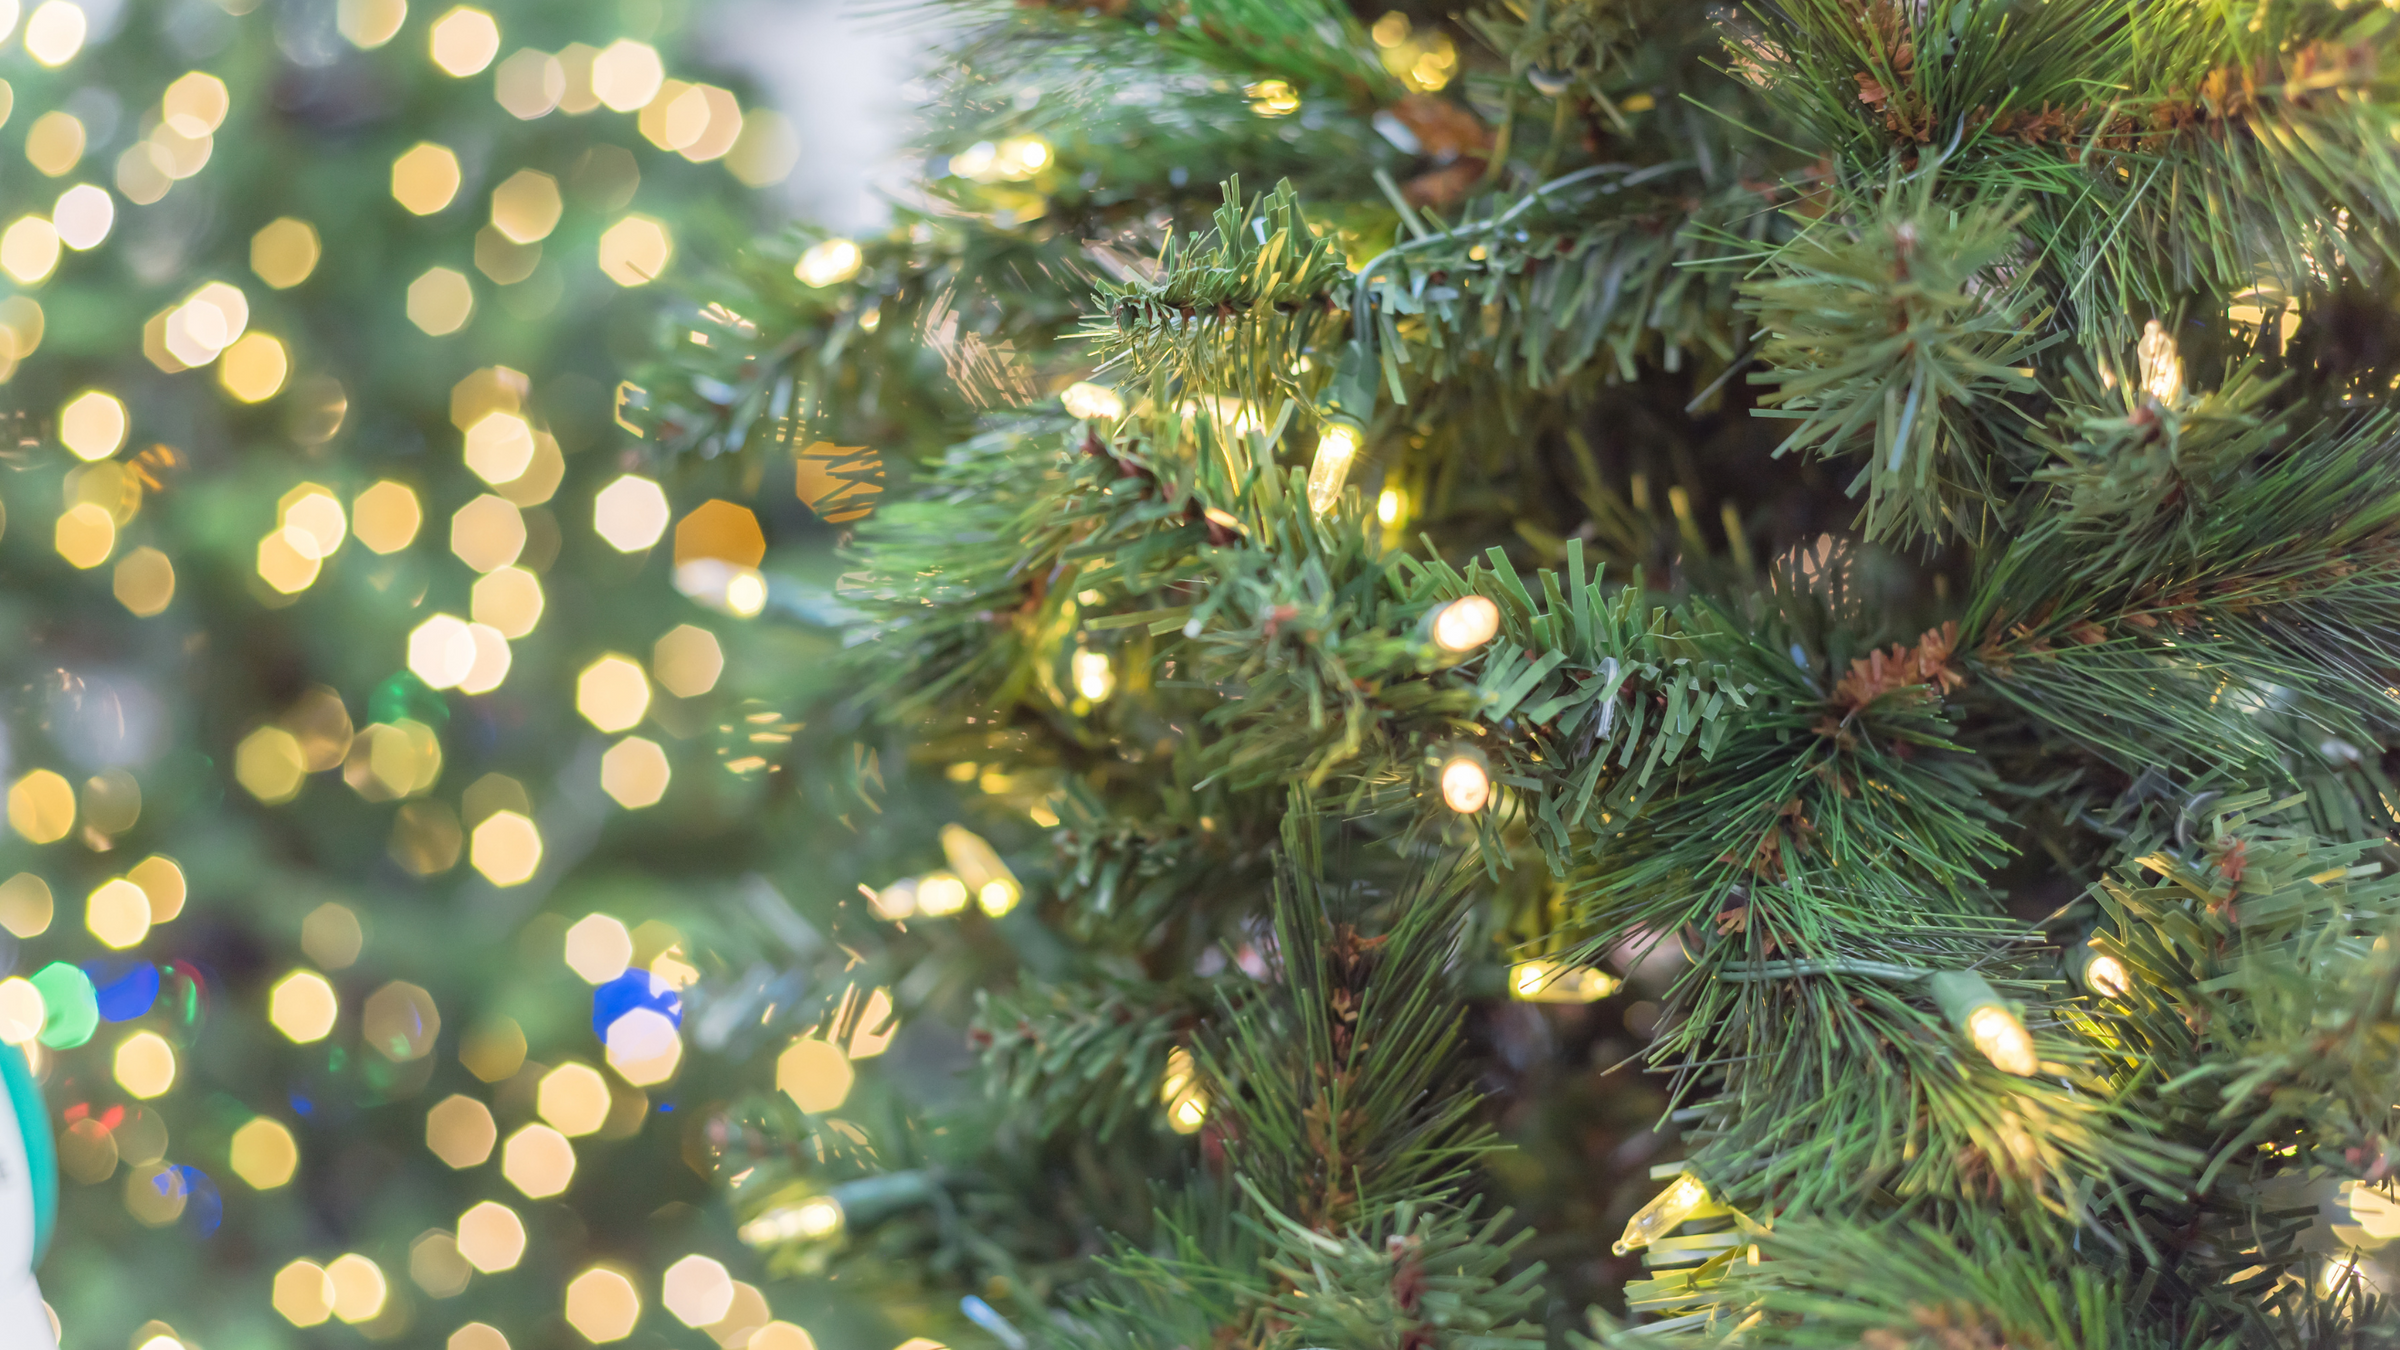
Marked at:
<point>1648,674</point>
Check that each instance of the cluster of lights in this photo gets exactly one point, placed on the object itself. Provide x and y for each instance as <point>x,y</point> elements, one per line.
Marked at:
<point>976,874</point>
<point>1546,981</point>
<point>828,263</point>
<point>1014,159</point>
<point>1093,402</point>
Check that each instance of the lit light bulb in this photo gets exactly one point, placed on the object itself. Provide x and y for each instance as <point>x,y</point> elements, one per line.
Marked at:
<point>1466,787</point>
<point>1092,401</point>
<point>816,1217</point>
<point>1667,1211</point>
<point>1180,1090</point>
<point>940,895</point>
<point>1546,981</point>
<point>1335,449</point>
<point>1387,506</point>
<point>1465,624</point>
<point>998,897</point>
<point>2002,1039</point>
<point>1094,678</point>
<point>2108,977</point>
<point>2162,365</point>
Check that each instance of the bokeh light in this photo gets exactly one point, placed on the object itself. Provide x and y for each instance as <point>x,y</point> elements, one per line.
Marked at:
<point>303,1294</point>
<point>464,41</point>
<point>635,251</point>
<point>26,905</point>
<point>494,1050</point>
<point>302,1006</point>
<point>425,178</point>
<point>21,1011</point>
<point>815,1074</point>
<point>721,530</point>
<point>491,1237</point>
<point>85,535</point>
<point>331,936</point>
<point>268,765</point>
<point>54,32</point>
<point>635,772</point>
<point>288,561</point>
<point>509,599</point>
<point>284,252</point>
<point>41,807</point>
<point>83,216</point>
<point>440,301</point>
<point>828,263</point>
<point>370,23</point>
<point>254,367</point>
<point>687,661</point>
<point>602,1304</point>
<point>698,1290</point>
<point>460,1131</point>
<point>526,206</point>
<point>529,84</point>
<point>264,1154</point>
<point>92,425</point>
<point>631,513</point>
<point>29,249</point>
<point>539,1161</point>
<point>612,693</point>
<point>117,913</point>
<point>162,884</point>
<point>400,1022</point>
<point>488,533</point>
<point>436,1267</point>
<point>599,948</point>
<point>507,849</point>
<point>499,447</point>
<point>144,1065</point>
<point>144,582</point>
<point>626,75</point>
<point>386,517</point>
<point>195,104</point>
<point>441,651</point>
<point>574,1099</point>
<point>359,1289</point>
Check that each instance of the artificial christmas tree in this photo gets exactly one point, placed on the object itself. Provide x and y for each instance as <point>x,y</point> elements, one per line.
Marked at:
<point>1870,519</point>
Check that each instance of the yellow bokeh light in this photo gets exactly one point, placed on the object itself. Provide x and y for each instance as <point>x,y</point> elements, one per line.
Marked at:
<point>441,651</point>
<point>287,561</point>
<point>29,250</point>
<point>781,1336</point>
<point>506,848</point>
<point>697,1290</point>
<point>54,143</point>
<point>526,207</point>
<point>314,516</point>
<point>196,104</point>
<point>331,936</point>
<point>722,530</point>
<point>503,261</point>
<point>26,905</point>
<point>144,582</point>
<point>425,178</point>
<point>264,1154</point>
<point>460,1131</point>
<point>573,1098</point>
<point>687,661</point>
<point>145,1065</point>
<point>626,75</point>
<point>117,913</point>
<point>644,1048</point>
<point>41,808</point>
<point>22,1012</point>
<point>494,1050</point>
<point>254,367</point>
<point>303,1294</point>
<point>476,1336</point>
<point>492,660</point>
<point>766,149</point>
<point>370,23</point>
<point>828,263</point>
<point>612,693</point>
<point>491,1237</point>
<point>602,1304</point>
<point>464,41</point>
<point>400,1022</point>
<point>92,425</point>
<point>488,533</point>
<point>284,252</point>
<point>509,599</point>
<point>539,1161</point>
<point>269,764</point>
<point>55,32</point>
<point>435,1265</point>
<point>359,1289</point>
<point>529,84</point>
<point>162,885</point>
<point>499,447</point>
<point>389,762</point>
<point>815,1074</point>
<point>303,1006</point>
<point>441,301</point>
<point>635,250</point>
<point>635,772</point>
<point>631,513</point>
<point>84,216</point>
<point>85,535</point>
<point>599,948</point>
<point>386,517</point>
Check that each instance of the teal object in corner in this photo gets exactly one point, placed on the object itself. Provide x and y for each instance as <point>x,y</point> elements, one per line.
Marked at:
<point>41,1150</point>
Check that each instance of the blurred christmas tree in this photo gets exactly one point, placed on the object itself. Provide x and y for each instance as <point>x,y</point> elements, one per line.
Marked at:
<point>366,796</point>
<point>1847,541</point>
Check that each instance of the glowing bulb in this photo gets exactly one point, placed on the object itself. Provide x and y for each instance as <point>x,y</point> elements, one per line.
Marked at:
<point>1093,401</point>
<point>1331,469</point>
<point>1545,981</point>
<point>816,1217</point>
<point>2162,365</point>
<point>1465,624</point>
<point>2107,977</point>
<point>1094,678</point>
<point>1387,506</point>
<point>1466,787</point>
<point>997,897</point>
<point>835,260</point>
<point>1666,1212</point>
<point>940,895</point>
<point>2002,1039</point>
